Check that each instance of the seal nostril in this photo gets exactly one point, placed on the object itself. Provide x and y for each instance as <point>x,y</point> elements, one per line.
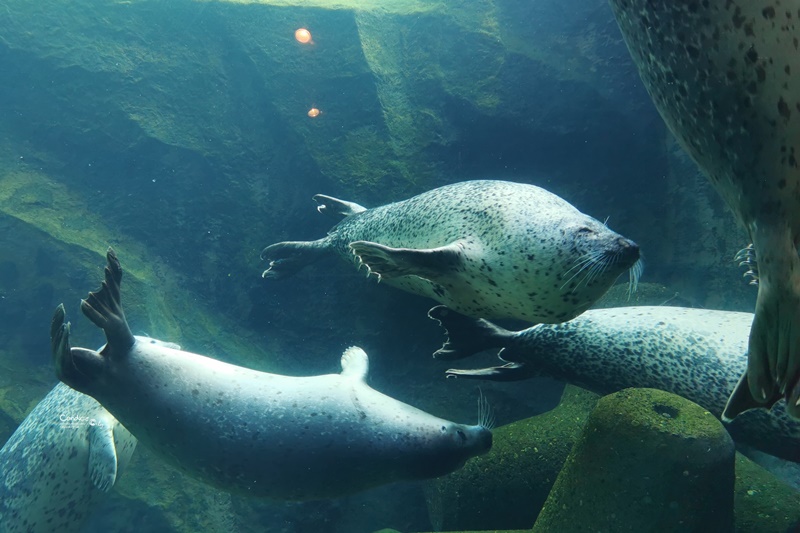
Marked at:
<point>665,410</point>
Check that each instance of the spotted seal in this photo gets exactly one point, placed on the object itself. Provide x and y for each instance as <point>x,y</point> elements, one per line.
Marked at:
<point>695,353</point>
<point>60,460</point>
<point>267,435</point>
<point>491,249</point>
<point>725,76</point>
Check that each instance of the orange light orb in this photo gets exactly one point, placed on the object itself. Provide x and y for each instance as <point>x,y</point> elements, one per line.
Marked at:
<point>314,112</point>
<point>302,35</point>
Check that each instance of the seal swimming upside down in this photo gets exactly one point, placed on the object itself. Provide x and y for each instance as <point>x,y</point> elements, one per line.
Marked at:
<point>725,76</point>
<point>695,353</point>
<point>61,459</point>
<point>491,249</point>
<point>292,438</point>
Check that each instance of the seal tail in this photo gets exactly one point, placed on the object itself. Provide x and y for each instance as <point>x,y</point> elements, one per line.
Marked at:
<point>465,335</point>
<point>288,258</point>
<point>104,308</point>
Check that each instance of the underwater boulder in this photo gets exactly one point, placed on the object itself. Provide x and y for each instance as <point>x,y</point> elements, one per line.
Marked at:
<point>647,460</point>
<point>505,489</point>
<point>763,503</point>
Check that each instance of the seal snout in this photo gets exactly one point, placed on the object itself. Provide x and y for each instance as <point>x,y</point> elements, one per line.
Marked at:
<point>625,251</point>
<point>483,440</point>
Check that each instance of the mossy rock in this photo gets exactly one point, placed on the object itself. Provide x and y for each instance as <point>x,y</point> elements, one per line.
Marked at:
<point>763,503</point>
<point>507,487</point>
<point>647,460</point>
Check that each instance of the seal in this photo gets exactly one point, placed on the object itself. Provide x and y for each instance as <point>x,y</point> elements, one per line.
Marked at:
<point>60,461</point>
<point>724,76</point>
<point>491,249</point>
<point>698,354</point>
<point>266,435</point>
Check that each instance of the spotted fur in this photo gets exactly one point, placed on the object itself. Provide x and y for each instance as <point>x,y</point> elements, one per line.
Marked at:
<point>725,75</point>
<point>696,353</point>
<point>260,434</point>
<point>49,476</point>
<point>491,249</point>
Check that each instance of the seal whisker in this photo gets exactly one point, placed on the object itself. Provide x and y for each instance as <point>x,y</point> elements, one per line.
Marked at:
<point>584,262</point>
<point>486,418</point>
<point>634,273</point>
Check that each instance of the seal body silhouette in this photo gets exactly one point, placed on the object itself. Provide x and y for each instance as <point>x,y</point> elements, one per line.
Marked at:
<point>492,249</point>
<point>283,437</point>
<point>698,354</point>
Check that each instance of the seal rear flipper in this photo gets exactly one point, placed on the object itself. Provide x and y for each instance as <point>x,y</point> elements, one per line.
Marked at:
<point>506,372</point>
<point>465,335</point>
<point>287,258</point>
<point>430,263</point>
<point>76,367</point>
<point>333,207</point>
<point>102,457</point>
<point>741,400</point>
<point>59,342</point>
<point>104,308</point>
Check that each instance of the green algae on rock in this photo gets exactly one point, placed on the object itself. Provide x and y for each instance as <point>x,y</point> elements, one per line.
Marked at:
<point>647,460</point>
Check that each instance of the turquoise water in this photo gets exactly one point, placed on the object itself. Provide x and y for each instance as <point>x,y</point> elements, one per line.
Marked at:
<point>181,134</point>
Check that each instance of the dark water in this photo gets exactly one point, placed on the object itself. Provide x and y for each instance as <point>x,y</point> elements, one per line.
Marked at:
<point>178,132</point>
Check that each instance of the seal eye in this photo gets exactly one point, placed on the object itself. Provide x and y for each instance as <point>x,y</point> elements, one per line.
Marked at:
<point>462,435</point>
<point>444,429</point>
<point>584,230</point>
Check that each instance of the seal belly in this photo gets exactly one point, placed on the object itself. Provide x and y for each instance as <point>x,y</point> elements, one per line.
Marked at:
<point>63,456</point>
<point>725,76</point>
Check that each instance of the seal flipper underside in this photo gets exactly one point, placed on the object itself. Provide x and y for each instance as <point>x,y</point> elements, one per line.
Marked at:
<point>742,400</point>
<point>288,258</point>
<point>465,335</point>
<point>387,262</point>
<point>104,307</point>
<point>102,457</point>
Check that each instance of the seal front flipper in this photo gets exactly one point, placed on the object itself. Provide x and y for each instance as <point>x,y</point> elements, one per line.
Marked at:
<point>287,258</point>
<point>467,336</point>
<point>742,400</point>
<point>104,308</point>
<point>355,363</point>
<point>102,456</point>
<point>387,262</point>
<point>328,205</point>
